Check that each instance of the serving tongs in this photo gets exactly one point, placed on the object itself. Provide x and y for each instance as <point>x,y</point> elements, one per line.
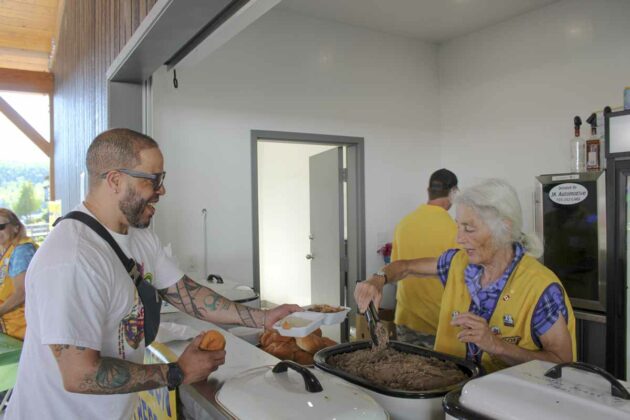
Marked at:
<point>371,316</point>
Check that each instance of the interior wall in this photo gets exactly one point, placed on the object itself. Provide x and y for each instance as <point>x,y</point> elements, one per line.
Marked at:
<point>508,94</point>
<point>283,172</point>
<point>91,34</point>
<point>286,72</point>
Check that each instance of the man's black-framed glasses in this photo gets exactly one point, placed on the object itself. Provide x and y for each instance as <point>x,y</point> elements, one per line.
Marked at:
<point>156,179</point>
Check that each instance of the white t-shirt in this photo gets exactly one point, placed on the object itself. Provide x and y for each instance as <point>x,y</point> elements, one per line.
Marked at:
<point>79,293</point>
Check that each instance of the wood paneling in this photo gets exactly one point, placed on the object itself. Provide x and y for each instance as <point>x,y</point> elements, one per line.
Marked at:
<point>27,28</point>
<point>91,35</point>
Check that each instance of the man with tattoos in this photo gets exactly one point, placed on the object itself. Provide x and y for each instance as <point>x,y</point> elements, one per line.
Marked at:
<point>84,346</point>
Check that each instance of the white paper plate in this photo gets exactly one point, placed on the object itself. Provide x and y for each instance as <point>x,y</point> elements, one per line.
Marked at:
<point>314,320</point>
<point>331,318</point>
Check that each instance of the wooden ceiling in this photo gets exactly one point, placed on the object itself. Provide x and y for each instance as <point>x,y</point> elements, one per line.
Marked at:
<point>27,30</point>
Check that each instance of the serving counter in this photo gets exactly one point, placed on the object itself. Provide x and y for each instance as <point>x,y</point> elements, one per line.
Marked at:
<point>199,400</point>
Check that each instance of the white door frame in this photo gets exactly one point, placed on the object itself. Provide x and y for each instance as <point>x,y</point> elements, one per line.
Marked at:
<point>355,199</point>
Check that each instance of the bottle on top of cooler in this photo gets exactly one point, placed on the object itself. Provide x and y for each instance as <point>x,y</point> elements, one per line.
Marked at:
<point>593,146</point>
<point>577,148</point>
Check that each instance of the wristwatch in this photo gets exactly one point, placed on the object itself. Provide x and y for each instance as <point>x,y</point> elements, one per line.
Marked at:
<point>381,273</point>
<point>174,376</point>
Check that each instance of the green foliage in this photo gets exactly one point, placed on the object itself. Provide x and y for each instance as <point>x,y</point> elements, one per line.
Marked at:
<point>27,203</point>
<point>12,177</point>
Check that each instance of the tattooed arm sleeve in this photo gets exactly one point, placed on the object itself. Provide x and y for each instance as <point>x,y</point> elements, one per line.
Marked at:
<point>204,303</point>
<point>84,371</point>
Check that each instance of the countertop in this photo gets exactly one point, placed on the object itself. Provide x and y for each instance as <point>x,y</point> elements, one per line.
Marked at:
<point>200,398</point>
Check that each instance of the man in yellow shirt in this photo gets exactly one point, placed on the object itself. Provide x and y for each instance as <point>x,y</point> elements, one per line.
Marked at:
<point>426,232</point>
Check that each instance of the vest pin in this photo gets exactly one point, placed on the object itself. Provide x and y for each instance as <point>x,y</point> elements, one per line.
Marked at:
<point>508,321</point>
<point>495,330</point>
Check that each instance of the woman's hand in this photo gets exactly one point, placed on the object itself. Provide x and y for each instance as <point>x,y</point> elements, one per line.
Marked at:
<point>369,291</point>
<point>475,330</point>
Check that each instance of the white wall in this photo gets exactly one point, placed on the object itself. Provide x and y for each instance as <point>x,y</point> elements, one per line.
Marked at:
<point>509,93</point>
<point>290,73</point>
<point>284,224</point>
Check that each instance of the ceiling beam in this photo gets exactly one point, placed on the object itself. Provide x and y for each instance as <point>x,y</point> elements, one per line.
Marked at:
<point>26,81</point>
<point>25,127</point>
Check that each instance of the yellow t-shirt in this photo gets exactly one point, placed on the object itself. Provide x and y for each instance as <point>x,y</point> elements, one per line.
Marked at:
<point>425,233</point>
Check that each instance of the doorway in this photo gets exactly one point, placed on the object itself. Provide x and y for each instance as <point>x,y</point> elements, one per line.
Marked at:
<point>308,219</point>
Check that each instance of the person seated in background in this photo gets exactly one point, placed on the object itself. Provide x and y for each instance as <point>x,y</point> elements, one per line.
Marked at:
<point>17,250</point>
<point>500,306</point>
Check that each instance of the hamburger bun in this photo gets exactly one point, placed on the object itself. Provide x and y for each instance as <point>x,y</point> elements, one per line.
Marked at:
<point>311,343</point>
<point>212,340</point>
<point>282,350</point>
<point>303,358</point>
<point>327,342</point>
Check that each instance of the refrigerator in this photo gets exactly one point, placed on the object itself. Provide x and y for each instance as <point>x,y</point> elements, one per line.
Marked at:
<point>571,221</point>
<point>618,189</point>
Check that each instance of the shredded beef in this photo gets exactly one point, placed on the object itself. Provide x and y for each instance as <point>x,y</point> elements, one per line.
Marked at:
<point>393,369</point>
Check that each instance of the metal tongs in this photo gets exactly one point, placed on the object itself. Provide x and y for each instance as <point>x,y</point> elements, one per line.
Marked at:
<point>371,316</point>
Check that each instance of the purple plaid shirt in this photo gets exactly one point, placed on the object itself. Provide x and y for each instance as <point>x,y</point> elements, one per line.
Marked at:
<point>484,300</point>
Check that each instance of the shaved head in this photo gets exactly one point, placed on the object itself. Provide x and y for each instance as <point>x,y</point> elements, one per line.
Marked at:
<point>114,149</point>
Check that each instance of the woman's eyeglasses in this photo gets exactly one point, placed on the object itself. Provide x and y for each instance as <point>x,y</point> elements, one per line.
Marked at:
<point>156,179</point>
<point>4,225</point>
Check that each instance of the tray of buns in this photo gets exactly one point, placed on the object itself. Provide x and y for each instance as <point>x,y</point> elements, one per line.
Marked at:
<point>299,324</point>
<point>300,349</point>
<point>332,314</point>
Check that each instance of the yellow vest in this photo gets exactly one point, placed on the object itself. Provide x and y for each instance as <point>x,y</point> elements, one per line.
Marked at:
<point>515,308</point>
<point>425,233</point>
<point>13,323</point>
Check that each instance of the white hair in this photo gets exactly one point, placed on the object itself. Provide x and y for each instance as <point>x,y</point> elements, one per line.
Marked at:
<point>497,204</point>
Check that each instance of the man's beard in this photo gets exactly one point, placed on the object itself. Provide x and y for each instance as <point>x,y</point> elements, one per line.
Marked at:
<point>132,205</point>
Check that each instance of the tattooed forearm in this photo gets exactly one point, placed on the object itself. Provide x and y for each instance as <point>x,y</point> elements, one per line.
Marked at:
<point>116,376</point>
<point>204,303</point>
<point>246,315</point>
<point>195,299</point>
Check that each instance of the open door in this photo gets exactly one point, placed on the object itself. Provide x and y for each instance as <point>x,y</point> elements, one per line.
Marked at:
<point>328,252</point>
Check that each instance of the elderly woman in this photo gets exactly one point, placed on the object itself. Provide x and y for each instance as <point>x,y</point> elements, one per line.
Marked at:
<point>500,306</point>
<point>17,251</point>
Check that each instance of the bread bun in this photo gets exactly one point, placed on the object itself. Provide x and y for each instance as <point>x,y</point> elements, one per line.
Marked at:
<point>212,341</point>
<point>303,358</point>
<point>266,338</point>
<point>311,343</point>
<point>327,342</point>
<point>271,336</point>
<point>317,332</point>
<point>282,350</point>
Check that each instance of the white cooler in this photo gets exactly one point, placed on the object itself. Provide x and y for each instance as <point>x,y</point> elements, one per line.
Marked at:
<point>542,390</point>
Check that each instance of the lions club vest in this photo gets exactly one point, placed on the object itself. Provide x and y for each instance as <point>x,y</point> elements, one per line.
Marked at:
<point>512,316</point>
<point>12,322</point>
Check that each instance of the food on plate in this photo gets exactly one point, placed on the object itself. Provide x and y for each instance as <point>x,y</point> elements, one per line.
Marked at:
<point>394,369</point>
<point>294,322</point>
<point>212,340</point>
<point>326,309</point>
<point>300,350</point>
